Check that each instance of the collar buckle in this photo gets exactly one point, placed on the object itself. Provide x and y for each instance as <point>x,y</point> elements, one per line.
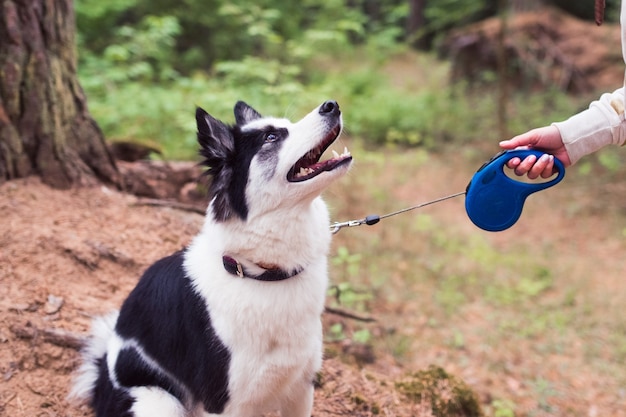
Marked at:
<point>234,267</point>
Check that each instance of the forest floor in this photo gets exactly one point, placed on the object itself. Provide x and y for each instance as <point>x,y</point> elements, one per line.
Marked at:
<point>67,256</point>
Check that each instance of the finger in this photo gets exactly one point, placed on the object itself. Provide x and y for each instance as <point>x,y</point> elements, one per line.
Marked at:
<point>539,167</point>
<point>513,162</point>
<point>524,167</point>
<point>549,170</point>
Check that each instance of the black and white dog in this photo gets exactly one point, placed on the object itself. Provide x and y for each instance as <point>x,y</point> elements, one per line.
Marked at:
<point>231,325</point>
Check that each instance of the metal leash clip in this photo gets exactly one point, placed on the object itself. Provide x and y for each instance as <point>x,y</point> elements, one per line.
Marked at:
<point>337,226</point>
<point>369,220</point>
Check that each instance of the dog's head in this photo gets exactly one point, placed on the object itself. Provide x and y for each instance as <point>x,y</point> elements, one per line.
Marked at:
<point>262,163</point>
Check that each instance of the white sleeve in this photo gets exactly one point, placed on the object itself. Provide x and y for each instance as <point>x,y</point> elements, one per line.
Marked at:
<point>600,125</point>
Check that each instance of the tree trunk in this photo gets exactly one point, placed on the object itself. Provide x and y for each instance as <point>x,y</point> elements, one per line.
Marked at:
<point>415,23</point>
<point>45,127</point>
<point>518,6</point>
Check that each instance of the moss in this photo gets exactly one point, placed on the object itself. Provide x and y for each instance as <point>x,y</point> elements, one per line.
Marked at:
<point>358,399</point>
<point>363,405</point>
<point>447,395</point>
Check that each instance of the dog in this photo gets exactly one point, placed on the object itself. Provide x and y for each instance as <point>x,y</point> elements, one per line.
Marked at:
<point>230,325</point>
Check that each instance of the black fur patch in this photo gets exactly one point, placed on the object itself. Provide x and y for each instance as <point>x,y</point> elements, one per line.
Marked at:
<point>217,147</point>
<point>170,321</point>
<point>132,370</point>
<point>244,114</point>
<point>108,401</point>
<point>228,151</point>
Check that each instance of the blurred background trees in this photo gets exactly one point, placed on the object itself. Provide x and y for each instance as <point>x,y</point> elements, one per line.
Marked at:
<point>398,65</point>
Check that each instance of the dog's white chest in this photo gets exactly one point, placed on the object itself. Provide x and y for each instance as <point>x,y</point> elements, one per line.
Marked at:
<point>272,329</point>
<point>266,364</point>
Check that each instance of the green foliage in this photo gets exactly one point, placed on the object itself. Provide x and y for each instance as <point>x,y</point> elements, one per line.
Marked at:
<point>397,118</point>
<point>443,15</point>
<point>503,408</point>
<point>345,294</point>
<point>363,336</point>
<point>143,53</point>
<point>97,21</point>
<point>610,160</point>
<point>347,261</point>
<point>225,30</point>
<point>145,64</point>
<point>335,333</point>
<point>520,288</point>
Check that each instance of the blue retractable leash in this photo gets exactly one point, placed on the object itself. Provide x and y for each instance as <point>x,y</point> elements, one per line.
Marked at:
<point>493,200</point>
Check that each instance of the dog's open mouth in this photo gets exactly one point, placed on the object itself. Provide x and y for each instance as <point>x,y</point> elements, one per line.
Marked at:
<point>309,165</point>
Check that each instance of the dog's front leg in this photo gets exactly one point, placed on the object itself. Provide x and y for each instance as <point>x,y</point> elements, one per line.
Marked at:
<point>300,401</point>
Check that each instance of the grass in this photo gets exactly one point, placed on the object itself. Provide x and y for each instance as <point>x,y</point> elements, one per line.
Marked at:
<point>521,313</point>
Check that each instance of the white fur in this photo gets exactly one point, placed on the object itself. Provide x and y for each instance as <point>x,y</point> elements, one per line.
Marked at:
<point>102,330</point>
<point>151,402</point>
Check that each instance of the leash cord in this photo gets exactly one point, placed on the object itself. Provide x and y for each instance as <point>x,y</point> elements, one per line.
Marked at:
<point>374,218</point>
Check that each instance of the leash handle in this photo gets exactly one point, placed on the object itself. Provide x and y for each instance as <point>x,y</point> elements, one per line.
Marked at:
<point>494,201</point>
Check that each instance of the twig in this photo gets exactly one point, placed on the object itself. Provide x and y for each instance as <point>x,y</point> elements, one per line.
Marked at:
<point>348,315</point>
<point>171,204</point>
<point>8,400</point>
<point>58,337</point>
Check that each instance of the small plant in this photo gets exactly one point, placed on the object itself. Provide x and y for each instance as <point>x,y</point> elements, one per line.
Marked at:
<point>346,295</point>
<point>503,408</point>
<point>336,333</point>
<point>349,262</point>
<point>363,336</point>
<point>544,391</point>
<point>446,395</point>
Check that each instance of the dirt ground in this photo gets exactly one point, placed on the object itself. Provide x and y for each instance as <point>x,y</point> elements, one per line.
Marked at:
<point>67,256</point>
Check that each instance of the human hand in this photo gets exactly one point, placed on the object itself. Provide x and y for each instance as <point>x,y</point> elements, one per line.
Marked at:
<point>547,139</point>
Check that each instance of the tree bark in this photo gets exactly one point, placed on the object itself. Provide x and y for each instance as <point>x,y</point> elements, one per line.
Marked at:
<point>415,22</point>
<point>518,6</point>
<point>45,127</point>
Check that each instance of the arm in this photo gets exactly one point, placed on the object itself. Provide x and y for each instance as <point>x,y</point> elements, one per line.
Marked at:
<point>600,125</point>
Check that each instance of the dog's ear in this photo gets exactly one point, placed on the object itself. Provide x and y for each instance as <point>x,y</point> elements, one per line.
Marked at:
<point>244,114</point>
<point>217,146</point>
<point>213,135</point>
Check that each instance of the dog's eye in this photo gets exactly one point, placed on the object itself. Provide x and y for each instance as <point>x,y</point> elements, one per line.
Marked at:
<point>271,137</point>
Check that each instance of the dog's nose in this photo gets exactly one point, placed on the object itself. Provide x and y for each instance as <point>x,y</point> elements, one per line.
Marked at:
<point>329,107</point>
